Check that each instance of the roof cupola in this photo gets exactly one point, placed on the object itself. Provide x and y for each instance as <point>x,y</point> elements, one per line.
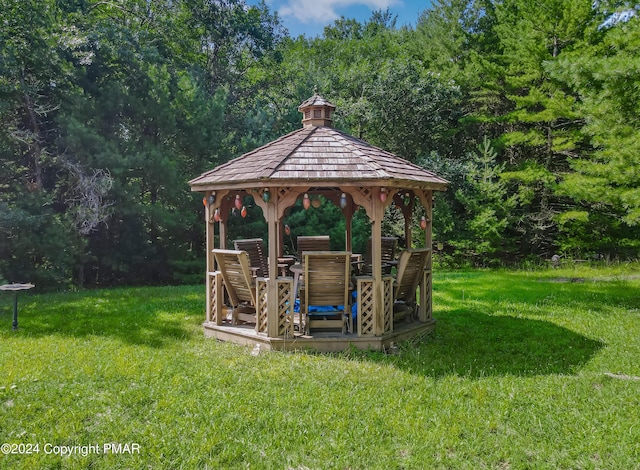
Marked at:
<point>317,111</point>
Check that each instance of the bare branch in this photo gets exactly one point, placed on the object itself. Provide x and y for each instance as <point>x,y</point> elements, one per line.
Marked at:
<point>88,204</point>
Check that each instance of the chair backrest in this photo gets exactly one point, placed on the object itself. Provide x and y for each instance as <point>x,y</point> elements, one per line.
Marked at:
<point>326,278</point>
<point>411,266</point>
<point>312,243</point>
<point>387,254</point>
<point>236,273</point>
<point>257,255</point>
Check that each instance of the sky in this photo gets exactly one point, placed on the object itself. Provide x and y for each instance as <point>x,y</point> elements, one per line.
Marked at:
<point>309,17</point>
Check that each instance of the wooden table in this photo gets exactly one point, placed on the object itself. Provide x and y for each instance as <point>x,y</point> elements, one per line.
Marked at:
<point>284,263</point>
<point>15,288</point>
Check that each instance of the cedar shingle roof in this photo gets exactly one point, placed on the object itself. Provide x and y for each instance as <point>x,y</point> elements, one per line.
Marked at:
<point>319,156</point>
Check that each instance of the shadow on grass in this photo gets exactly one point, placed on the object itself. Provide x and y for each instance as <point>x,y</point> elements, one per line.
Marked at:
<point>153,316</point>
<point>493,323</point>
<point>473,344</point>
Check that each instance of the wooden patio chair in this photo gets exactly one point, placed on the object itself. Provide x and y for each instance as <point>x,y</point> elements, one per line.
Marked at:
<point>388,255</point>
<point>240,284</point>
<point>312,243</point>
<point>257,255</point>
<point>411,266</point>
<point>324,298</point>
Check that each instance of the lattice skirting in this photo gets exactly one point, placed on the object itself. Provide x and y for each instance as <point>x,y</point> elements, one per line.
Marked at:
<point>366,313</point>
<point>387,303</point>
<point>215,304</point>
<point>284,317</point>
<point>261,308</point>
<point>425,298</point>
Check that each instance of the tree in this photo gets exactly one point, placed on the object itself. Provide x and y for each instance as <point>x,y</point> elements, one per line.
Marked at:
<point>605,182</point>
<point>538,120</point>
<point>38,240</point>
<point>129,97</point>
<point>487,204</point>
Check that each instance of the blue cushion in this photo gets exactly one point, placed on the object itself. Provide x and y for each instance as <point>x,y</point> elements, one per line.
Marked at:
<point>319,310</point>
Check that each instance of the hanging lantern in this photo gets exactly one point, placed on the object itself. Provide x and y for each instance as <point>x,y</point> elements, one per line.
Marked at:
<point>216,215</point>
<point>243,212</point>
<point>423,223</point>
<point>204,201</point>
<point>316,202</point>
<point>383,194</point>
<point>266,195</point>
<point>306,202</point>
<point>287,230</point>
<point>343,200</point>
<point>212,198</point>
<point>238,202</point>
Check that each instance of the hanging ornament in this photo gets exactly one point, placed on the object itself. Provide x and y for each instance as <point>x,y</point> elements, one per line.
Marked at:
<point>216,215</point>
<point>204,201</point>
<point>440,246</point>
<point>266,195</point>
<point>306,202</point>
<point>423,223</point>
<point>212,198</point>
<point>316,202</point>
<point>238,202</point>
<point>407,199</point>
<point>243,212</point>
<point>343,200</point>
<point>383,194</point>
<point>287,230</point>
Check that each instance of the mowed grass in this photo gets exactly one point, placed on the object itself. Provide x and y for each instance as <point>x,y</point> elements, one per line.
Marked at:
<point>525,370</point>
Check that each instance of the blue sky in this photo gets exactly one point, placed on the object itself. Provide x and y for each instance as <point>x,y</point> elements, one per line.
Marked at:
<point>309,17</point>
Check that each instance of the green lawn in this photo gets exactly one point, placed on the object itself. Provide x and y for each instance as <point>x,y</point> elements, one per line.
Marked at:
<point>514,377</point>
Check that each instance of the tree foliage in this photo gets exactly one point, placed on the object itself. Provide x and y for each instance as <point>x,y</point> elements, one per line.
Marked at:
<point>529,109</point>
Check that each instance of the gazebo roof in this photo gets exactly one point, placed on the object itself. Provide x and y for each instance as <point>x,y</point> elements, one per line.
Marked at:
<point>317,156</point>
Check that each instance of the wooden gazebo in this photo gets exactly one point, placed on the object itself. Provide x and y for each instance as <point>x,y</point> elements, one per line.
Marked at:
<point>317,159</point>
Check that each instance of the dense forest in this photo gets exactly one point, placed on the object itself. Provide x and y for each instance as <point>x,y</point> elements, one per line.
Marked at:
<point>107,108</point>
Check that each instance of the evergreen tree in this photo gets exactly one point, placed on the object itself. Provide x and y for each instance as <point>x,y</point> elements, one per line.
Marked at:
<point>605,182</point>
<point>488,206</point>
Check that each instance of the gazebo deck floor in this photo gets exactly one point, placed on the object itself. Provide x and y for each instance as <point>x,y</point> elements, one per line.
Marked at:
<point>329,341</point>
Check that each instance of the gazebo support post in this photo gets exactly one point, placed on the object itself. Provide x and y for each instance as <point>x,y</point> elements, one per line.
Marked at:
<point>225,208</point>
<point>210,226</point>
<point>376,268</point>
<point>271,215</point>
<point>348,218</point>
<point>210,230</point>
<point>425,312</point>
<point>407,211</point>
<point>280,238</point>
<point>408,236</point>
<point>425,293</point>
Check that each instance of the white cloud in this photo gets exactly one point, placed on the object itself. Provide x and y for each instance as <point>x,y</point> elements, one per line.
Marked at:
<point>324,11</point>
